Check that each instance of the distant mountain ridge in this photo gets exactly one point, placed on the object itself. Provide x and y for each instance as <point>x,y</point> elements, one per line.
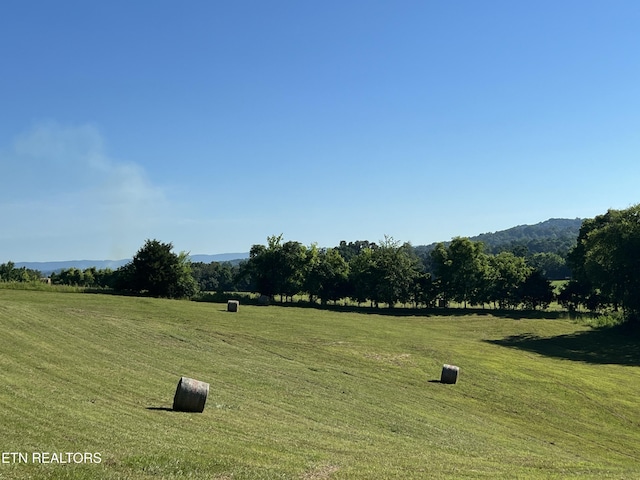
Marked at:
<point>542,229</point>
<point>47,268</point>
<point>556,235</point>
<point>220,257</point>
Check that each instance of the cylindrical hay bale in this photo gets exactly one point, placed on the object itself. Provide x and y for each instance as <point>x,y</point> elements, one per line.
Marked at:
<point>449,374</point>
<point>232,305</point>
<point>190,396</point>
<point>263,300</point>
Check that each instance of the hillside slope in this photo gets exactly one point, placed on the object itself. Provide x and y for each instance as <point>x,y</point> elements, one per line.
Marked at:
<point>556,235</point>
<point>309,394</point>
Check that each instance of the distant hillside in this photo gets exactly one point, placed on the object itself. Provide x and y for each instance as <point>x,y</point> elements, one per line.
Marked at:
<point>47,268</point>
<point>222,257</point>
<point>556,235</point>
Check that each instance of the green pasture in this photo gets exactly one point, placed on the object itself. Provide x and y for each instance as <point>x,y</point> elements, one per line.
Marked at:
<point>304,393</point>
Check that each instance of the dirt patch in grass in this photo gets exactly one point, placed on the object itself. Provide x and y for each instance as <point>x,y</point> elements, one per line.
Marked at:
<point>398,359</point>
<point>320,472</point>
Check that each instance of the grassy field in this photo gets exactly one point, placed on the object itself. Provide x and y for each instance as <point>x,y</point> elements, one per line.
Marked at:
<point>303,393</point>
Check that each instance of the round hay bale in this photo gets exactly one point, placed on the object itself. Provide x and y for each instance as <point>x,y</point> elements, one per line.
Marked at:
<point>232,305</point>
<point>190,396</point>
<point>263,300</point>
<point>449,374</point>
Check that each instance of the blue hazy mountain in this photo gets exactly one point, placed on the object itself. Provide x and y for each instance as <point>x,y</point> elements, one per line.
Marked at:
<point>47,267</point>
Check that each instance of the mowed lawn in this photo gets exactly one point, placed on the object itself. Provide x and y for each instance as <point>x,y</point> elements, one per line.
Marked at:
<point>304,393</point>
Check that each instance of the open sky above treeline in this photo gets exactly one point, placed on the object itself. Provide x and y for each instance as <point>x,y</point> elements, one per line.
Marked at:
<point>212,125</point>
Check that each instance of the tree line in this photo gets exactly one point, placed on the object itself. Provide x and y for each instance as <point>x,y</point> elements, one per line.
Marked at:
<point>604,265</point>
<point>388,273</point>
<point>10,273</point>
<point>391,273</point>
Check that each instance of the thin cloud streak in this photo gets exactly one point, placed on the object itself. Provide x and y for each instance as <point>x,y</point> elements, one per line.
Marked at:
<point>64,186</point>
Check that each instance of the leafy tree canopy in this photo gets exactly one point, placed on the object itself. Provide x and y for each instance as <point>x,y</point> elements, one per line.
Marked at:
<point>157,271</point>
<point>607,258</point>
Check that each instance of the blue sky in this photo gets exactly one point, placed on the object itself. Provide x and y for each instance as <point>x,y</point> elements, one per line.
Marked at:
<point>212,125</point>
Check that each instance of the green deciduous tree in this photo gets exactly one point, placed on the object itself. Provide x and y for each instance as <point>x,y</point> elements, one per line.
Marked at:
<point>350,250</point>
<point>552,265</point>
<point>536,291</point>
<point>396,269</point>
<point>214,276</point>
<point>506,273</point>
<point>607,258</point>
<point>6,271</point>
<point>157,271</point>
<point>89,277</point>
<point>361,276</point>
<point>277,268</point>
<point>576,293</point>
<point>443,273</point>
<point>460,270</point>
<point>424,290</point>
<point>9,273</point>
<point>385,274</point>
<point>185,286</point>
<point>293,268</point>
<point>70,276</point>
<point>327,274</point>
<point>263,266</point>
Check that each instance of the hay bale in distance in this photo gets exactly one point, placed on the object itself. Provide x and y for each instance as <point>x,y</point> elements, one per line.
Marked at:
<point>263,300</point>
<point>191,395</point>
<point>449,374</point>
<point>232,305</point>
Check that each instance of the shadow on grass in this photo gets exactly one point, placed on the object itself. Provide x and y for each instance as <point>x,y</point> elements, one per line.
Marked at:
<point>599,346</point>
<point>430,311</point>
<point>162,409</point>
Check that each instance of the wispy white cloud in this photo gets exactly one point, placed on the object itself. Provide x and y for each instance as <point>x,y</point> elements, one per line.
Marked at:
<point>61,185</point>
<point>53,143</point>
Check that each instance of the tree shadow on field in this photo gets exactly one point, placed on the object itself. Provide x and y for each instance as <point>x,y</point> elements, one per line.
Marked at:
<point>599,346</point>
<point>407,311</point>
